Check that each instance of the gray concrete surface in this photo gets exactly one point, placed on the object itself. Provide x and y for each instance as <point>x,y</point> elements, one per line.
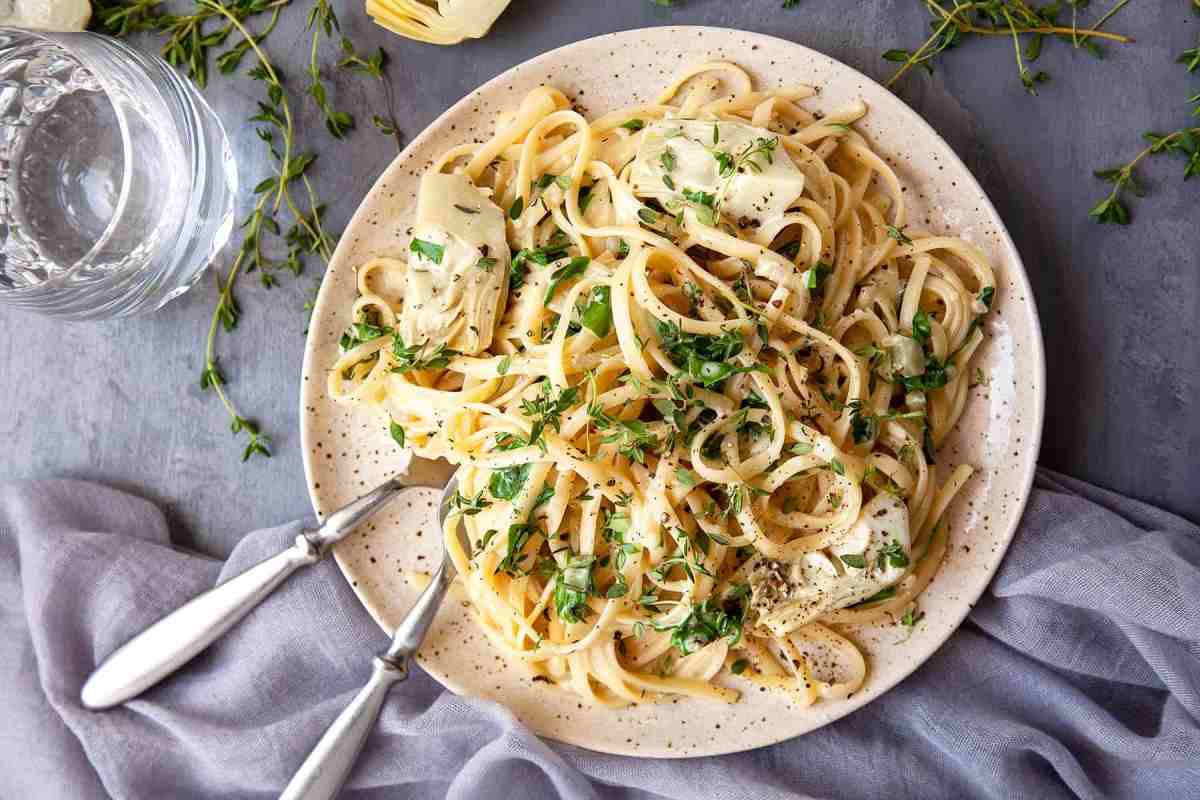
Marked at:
<point>120,402</point>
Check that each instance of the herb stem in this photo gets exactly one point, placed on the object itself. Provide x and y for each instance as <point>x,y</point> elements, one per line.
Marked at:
<point>281,189</point>
<point>225,295</point>
<point>1093,31</point>
<point>319,235</point>
<point>958,15</point>
<point>917,55</point>
<point>1171,137</point>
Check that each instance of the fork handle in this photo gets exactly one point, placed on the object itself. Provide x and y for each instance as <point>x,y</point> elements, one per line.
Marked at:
<point>179,636</point>
<point>324,772</point>
<point>327,767</point>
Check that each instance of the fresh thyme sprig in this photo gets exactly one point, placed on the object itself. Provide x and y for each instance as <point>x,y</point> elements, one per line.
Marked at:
<point>190,36</point>
<point>374,66</point>
<point>1184,142</point>
<point>952,24</point>
<point>306,235</point>
<point>218,29</point>
<point>323,20</point>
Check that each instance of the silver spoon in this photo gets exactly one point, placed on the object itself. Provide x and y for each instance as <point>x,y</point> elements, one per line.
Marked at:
<point>178,637</point>
<point>324,772</point>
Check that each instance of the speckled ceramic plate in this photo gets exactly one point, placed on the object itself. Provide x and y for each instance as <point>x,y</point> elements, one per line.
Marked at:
<point>348,450</point>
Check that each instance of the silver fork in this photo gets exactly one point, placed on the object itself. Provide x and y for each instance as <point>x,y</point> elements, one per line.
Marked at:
<point>324,772</point>
<point>178,637</point>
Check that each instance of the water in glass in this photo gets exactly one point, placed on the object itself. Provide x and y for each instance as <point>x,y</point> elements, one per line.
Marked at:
<point>116,179</point>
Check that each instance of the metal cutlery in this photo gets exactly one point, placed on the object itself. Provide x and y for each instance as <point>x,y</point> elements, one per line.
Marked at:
<point>323,773</point>
<point>178,637</point>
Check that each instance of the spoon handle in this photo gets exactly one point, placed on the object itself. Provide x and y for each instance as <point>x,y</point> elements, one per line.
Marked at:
<point>176,638</point>
<point>324,772</point>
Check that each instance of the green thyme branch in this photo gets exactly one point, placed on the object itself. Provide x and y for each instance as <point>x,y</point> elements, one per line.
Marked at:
<point>1010,18</point>
<point>226,313</point>
<point>323,20</point>
<point>306,235</point>
<point>1038,27</point>
<point>1028,80</point>
<point>1184,142</point>
<point>190,37</point>
<point>374,66</point>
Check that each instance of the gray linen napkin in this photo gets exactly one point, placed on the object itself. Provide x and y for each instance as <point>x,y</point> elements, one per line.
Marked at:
<point>1077,674</point>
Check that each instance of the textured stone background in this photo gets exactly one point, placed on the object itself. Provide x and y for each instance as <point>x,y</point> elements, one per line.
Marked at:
<point>119,401</point>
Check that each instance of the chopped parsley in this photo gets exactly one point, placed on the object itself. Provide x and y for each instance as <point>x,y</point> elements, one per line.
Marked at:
<point>572,585</point>
<point>935,376</point>
<point>892,554</point>
<point>506,483</point>
<point>881,595</point>
<point>397,432</point>
<point>542,256</point>
<point>572,269</point>
<point>585,197</point>
<point>855,560</point>
<point>686,477</point>
<point>921,327</point>
<point>704,358</point>
<point>911,617</point>
<point>898,234</point>
<point>362,332</point>
<point>596,316</point>
<point>814,278</point>
<point>428,250</point>
<point>710,621</point>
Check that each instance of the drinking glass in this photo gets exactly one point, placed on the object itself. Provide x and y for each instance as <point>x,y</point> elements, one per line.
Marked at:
<point>117,183</point>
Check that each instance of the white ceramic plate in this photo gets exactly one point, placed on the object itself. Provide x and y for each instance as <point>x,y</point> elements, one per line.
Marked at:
<point>348,450</point>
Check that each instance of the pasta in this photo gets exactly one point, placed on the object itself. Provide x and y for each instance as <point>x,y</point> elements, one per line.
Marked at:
<point>694,367</point>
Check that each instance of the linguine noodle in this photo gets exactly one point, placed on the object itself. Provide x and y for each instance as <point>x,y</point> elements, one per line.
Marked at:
<point>699,397</point>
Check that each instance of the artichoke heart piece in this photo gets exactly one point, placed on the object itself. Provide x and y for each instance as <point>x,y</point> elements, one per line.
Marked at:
<point>457,268</point>
<point>437,22</point>
<point>46,15</point>
<point>738,170</point>
<point>872,556</point>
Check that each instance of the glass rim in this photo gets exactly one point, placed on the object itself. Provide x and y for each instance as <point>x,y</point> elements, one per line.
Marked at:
<point>62,39</point>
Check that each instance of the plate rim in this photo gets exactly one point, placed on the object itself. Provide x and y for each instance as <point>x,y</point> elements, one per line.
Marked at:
<point>1018,279</point>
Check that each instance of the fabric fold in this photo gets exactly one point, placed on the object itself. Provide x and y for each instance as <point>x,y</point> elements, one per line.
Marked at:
<point>1076,675</point>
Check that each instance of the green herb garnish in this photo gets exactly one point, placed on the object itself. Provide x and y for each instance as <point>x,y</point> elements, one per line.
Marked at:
<point>572,585</point>
<point>573,269</point>
<point>898,234</point>
<point>547,408</point>
<point>428,250</point>
<point>597,314</point>
<point>397,432</point>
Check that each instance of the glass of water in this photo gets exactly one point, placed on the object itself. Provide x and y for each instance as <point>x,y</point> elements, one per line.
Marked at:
<point>117,183</point>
